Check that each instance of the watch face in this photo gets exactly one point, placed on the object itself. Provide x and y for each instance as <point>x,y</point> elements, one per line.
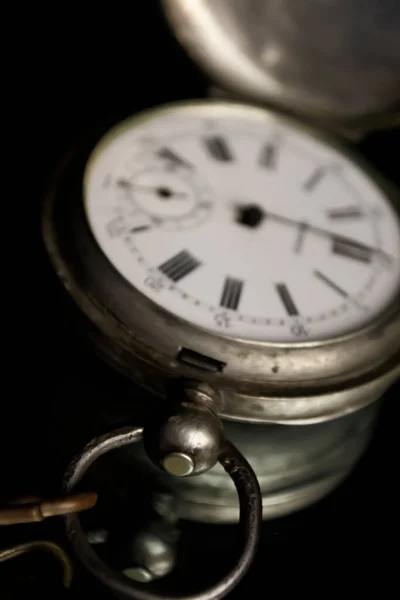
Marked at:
<point>242,224</point>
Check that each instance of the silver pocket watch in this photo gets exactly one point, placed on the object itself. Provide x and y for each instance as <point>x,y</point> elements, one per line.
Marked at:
<point>251,261</point>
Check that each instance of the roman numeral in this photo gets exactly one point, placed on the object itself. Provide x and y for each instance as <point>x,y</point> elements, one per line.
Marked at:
<point>269,156</point>
<point>350,249</point>
<point>347,212</point>
<point>218,148</point>
<point>331,284</point>
<point>179,266</point>
<point>286,299</point>
<point>231,293</point>
<point>314,179</point>
<point>173,159</point>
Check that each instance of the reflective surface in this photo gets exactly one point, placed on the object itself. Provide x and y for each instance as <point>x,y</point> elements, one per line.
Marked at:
<point>335,58</point>
<point>296,466</point>
<point>248,491</point>
<point>76,390</point>
<point>258,381</point>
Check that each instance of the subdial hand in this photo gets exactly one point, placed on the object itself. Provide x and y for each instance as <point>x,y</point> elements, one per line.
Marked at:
<point>164,193</point>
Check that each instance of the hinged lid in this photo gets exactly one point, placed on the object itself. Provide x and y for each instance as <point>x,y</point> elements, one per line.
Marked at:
<point>336,60</point>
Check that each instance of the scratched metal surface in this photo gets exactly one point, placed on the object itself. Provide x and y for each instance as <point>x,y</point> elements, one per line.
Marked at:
<point>56,392</point>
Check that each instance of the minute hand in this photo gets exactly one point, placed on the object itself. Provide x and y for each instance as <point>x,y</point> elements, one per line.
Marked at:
<point>363,250</point>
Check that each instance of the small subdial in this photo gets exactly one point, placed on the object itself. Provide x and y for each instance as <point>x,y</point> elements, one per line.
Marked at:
<point>293,243</point>
<point>170,200</point>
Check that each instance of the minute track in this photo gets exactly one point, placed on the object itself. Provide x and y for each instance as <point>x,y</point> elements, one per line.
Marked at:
<point>226,234</point>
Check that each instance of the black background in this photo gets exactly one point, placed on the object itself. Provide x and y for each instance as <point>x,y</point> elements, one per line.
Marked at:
<point>68,73</point>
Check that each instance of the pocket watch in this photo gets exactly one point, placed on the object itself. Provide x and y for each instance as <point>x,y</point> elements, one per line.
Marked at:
<point>243,265</point>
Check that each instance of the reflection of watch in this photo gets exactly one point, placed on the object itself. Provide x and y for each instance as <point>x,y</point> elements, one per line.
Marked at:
<point>253,259</point>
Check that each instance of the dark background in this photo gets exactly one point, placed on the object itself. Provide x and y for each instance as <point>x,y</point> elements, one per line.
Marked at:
<point>68,74</point>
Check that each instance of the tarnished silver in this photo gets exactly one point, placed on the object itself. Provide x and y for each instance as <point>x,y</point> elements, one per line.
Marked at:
<point>193,432</point>
<point>152,554</point>
<point>261,382</point>
<point>295,466</point>
<point>333,60</point>
<point>249,527</point>
<point>187,440</point>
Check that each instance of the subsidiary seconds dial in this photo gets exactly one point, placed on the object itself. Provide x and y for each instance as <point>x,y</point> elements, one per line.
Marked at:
<point>239,222</point>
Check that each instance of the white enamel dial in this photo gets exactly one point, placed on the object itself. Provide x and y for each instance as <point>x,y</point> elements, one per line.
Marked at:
<point>243,224</point>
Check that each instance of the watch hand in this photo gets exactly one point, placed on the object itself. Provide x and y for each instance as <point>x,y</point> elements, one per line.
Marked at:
<point>298,246</point>
<point>337,239</point>
<point>163,192</point>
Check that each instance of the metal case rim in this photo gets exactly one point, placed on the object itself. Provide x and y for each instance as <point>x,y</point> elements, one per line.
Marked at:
<point>285,383</point>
